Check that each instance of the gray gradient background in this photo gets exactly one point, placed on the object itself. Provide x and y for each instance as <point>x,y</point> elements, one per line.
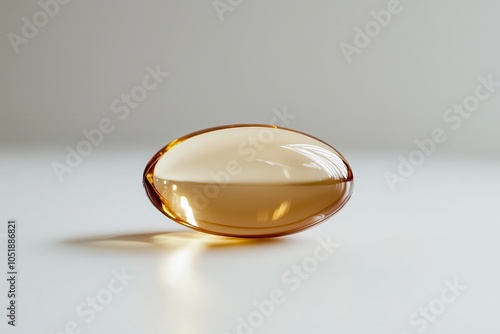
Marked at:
<point>264,55</point>
<point>397,248</point>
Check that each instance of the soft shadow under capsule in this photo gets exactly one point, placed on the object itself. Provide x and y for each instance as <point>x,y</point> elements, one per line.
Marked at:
<point>248,181</point>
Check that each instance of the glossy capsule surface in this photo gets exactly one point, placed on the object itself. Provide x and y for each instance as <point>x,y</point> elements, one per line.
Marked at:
<point>248,181</point>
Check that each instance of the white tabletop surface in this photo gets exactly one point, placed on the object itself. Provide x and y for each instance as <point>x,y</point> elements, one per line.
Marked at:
<point>397,252</point>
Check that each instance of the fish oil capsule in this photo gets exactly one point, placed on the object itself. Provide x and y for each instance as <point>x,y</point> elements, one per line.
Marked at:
<point>248,181</point>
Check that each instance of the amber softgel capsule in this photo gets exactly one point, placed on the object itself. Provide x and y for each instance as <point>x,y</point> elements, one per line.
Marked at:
<point>248,181</point>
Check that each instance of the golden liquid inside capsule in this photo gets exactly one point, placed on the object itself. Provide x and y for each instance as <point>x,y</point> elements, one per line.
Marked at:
<point>248,181</point>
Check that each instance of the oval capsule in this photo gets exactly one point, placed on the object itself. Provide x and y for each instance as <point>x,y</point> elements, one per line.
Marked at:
<point>248,181</point>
